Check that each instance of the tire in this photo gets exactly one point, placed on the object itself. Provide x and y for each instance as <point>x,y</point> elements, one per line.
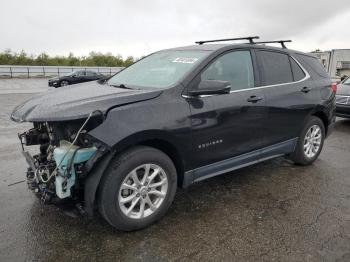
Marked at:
<point>121,173</point>
<point>64,83</point>
<point>307,157</point>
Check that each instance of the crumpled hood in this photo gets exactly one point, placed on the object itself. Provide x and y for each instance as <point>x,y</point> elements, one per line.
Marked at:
<point>343,90</point>
<point>77,101</point>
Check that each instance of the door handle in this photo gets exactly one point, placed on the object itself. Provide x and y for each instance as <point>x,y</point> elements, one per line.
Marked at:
<point>254,99</point>
<point>305,89</point>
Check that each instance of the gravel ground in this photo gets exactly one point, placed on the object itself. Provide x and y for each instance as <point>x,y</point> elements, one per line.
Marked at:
<point>273,211</point>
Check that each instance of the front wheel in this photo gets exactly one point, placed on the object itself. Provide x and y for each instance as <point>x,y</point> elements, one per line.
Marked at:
<point>310,142</point>
<point>137,189</point>
<point>64,83</point>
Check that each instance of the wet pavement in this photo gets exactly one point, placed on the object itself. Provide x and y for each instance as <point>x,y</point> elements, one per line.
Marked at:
<point>273,211</point>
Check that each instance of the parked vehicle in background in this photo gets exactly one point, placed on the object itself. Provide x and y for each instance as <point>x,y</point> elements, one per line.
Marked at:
<point>343,78</point>
<point>76,77</point>
<point>175,117</point>
<point>343,98</point>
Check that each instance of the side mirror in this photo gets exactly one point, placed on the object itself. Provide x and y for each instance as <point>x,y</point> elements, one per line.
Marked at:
<point>211,87</point>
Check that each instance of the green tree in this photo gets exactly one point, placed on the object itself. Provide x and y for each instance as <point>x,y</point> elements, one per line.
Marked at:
<point>7,57</point>
<point>129,61</point>
<point>42,59</point>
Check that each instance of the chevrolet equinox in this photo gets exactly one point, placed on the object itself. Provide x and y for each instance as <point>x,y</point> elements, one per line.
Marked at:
<point>124,145</point>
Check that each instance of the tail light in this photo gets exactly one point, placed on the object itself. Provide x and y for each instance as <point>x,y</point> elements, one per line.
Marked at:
<point>334,88</point>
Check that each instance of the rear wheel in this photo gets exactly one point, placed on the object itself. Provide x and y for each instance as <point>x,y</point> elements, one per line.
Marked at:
<point>310,142</point>
<point>138,188</point>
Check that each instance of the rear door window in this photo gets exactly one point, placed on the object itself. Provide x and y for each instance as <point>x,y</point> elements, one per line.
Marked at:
<point>276,68</point>
<point>90,73</point>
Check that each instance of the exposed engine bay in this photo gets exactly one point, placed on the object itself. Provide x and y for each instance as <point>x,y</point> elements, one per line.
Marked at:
<point>57,172</point>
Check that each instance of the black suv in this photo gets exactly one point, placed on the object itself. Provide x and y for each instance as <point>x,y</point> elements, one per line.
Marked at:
<point>175,117</point>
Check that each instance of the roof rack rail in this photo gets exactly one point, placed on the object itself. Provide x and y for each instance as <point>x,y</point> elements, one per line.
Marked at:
<point>273,42</point>
<point>249,38</point>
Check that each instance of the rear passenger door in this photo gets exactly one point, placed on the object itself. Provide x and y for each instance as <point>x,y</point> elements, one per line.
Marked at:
<point>289,97</point>
<point>90,76</point>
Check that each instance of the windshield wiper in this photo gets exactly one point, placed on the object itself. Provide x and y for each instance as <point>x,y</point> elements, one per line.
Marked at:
<point>122,86</point>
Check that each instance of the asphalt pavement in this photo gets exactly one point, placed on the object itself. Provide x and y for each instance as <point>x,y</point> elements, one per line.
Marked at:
<point>273,211</point>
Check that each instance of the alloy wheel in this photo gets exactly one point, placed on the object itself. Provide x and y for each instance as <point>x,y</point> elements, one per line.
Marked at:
<point>64,83</point>
<point>143,191</point>
<point>312,141</point>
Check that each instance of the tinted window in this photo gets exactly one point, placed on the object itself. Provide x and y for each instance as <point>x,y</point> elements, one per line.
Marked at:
<point>234,67</point>
<point>80,73</point>
<point>90,73</point>
<point>298,73</point>
<point>275,68</point>
<point>315,65</point>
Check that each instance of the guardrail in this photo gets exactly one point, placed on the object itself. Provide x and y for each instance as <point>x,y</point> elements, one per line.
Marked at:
<point>11,71</point>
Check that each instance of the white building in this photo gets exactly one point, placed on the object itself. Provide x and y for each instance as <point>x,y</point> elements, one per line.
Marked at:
<point>336,62</point>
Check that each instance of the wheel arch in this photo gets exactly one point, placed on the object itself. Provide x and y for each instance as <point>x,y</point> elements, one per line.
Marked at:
<point>157,139</point>
<point>171,151</point>
<point>322,115</point>
<point>160,140</point>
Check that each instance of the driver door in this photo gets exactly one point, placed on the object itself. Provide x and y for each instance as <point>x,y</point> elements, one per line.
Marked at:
<point>81,77</point>
<point>227,125</point>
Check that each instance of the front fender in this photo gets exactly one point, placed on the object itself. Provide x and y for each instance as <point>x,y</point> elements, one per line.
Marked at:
<point>165,120</point>
<point>93,180</point>
<point>131,124</point>
<point>98,169</point>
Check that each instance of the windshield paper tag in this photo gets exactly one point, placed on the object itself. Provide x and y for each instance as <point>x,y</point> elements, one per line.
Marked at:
<point>185,60</point>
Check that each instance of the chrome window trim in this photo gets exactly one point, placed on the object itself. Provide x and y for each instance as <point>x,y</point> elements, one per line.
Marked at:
<point>307,76</point>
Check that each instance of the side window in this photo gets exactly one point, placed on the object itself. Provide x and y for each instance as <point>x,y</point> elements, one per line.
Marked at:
<point>315,65</point>
<point>276,68</point>
<point>81,73</point>
<point>235,67</point>
<point>298,73</point>
<point>90,73</point>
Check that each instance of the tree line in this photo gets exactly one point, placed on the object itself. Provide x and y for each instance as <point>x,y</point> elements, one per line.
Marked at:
<point>8,57</point>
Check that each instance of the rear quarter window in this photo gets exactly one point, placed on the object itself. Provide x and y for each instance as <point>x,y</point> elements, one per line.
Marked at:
<point>314,65</point>
<point>298,73</point>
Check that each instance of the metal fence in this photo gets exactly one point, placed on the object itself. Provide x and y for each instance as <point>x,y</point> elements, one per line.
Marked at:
<point>10,71</point>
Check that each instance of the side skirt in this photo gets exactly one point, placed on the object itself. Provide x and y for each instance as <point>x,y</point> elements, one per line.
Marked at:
<point>240,161</point>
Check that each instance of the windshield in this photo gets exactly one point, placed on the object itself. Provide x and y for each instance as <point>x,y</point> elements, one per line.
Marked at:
<point>159,70</point>
<point>346,81</point>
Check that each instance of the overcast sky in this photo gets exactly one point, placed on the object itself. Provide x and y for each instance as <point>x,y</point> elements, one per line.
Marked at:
<point>139,27</point>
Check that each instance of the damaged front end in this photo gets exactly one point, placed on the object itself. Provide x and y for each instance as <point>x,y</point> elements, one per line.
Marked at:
<point>69,161</point>
<point>58,172</point>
